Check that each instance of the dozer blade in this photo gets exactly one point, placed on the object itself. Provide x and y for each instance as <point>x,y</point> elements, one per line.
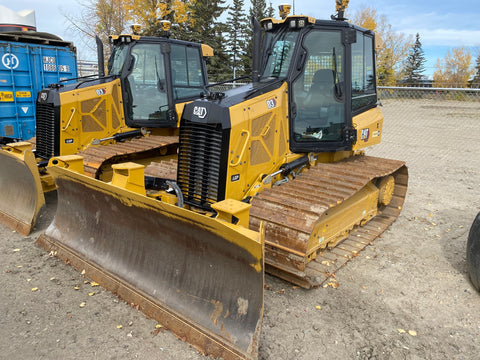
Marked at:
<point>200,277</point>
<point>21,193</point>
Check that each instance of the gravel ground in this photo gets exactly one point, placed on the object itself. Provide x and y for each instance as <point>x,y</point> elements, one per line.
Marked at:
<point>407,296</point>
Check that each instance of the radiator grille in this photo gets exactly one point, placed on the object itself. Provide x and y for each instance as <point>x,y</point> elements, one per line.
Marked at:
<point>201,161</point>
<point>45,136</point>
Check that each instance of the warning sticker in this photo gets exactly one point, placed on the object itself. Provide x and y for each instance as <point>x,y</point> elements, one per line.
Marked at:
<point>23,94</point>
<point>6,95</point>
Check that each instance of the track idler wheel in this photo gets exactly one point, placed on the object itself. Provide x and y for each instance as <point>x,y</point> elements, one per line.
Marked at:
<point>386,186</point>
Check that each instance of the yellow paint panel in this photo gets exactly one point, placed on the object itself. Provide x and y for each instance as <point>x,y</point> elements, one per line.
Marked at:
<point>369,128</point>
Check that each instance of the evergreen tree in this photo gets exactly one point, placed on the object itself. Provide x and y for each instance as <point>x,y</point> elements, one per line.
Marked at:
<point>415,63</point>
<point>257,11</point>
<point>476,77</point>
<point>270,11</point>
<point>204,28</point>
<point>237,28</point>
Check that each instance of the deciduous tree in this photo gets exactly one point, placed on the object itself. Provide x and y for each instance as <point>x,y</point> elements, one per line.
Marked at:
<point>395,45</point>
<point>98,18</point>
<point>455,69</point>
<point>149,13</point>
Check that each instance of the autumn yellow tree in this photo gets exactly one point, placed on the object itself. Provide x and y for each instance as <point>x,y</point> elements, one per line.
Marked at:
<point>98,18</point>
<point>455,69</point>
<point>149,13</point>
<point>395,46</point>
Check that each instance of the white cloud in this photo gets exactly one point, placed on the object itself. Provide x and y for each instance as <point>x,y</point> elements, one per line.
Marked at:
<point>447,37</point>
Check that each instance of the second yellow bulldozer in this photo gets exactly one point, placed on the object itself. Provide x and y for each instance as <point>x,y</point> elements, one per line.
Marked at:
<point>149,80</point>
<point>271,172</point>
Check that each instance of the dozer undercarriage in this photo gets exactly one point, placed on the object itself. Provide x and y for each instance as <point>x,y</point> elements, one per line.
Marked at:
<point>317,222</point>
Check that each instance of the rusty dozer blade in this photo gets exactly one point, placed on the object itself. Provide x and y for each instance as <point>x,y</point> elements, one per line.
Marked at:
<point>21,193</point>
<point>200,277</point>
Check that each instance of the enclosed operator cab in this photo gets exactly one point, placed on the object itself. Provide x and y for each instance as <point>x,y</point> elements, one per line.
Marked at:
<point>148,77</point>
<point>156,74</point>
<point>330,70</point>
<point>315,92</point>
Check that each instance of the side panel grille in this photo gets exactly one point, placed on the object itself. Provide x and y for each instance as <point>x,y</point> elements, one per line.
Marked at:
<point>45,130</point>
<point>202,163</point>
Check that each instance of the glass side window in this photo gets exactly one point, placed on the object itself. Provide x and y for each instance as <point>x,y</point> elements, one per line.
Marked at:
<point>117,60</point>
<point>187,72</point>
<point>363,77</point>
<point>147,83</point>
<point>317,92</point>
<point>279,53</point>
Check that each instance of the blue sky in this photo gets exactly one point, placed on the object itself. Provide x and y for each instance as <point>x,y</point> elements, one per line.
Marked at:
<point>442,25</point>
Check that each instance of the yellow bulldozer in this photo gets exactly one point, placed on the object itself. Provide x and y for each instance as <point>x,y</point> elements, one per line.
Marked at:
<point>149,80</point>
<point>269,176</point>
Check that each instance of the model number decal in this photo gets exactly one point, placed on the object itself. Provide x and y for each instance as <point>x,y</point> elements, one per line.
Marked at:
<point>235,177</point>
<point>68,141</point>
<point>365,134</point>
<point>271,103</point>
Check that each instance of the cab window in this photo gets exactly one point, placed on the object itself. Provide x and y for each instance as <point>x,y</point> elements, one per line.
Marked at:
<point>317,92</point>
<point>364,93</point>
<point>147,84</point>
<point>187,72</point>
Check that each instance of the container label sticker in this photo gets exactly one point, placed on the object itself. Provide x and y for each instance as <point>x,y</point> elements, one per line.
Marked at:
<point>63,68</point>
<point>25,109</point>
<point>49,67</point>
<point>49,59</point>
<point>23,94</point>
<point>10,61</point>
<point>6,96</point>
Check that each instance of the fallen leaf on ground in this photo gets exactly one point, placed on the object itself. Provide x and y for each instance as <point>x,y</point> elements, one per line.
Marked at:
<point>34,289</point>
<point>93,283</point>
<point>82,305</point>
<point>412,332</point>
<point>401,331</point>
<point>119,326</point>
<point>318,307</point>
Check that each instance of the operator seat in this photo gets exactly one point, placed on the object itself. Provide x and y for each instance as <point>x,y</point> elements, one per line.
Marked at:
<point>321,90</point>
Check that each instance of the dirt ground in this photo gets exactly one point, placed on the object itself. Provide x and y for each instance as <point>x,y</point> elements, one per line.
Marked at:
<point>406,296</point>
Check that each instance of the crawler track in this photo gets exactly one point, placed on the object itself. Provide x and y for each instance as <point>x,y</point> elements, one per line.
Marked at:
<point>99,158</point>
<point>291,211</point>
